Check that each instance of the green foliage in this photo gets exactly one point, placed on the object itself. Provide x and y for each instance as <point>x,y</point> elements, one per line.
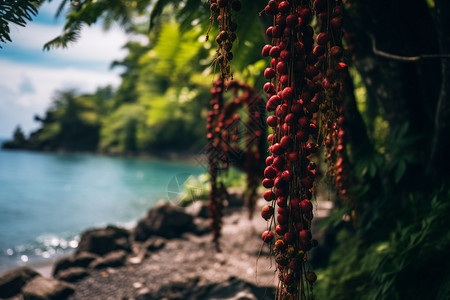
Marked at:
<point>17,12</point>
<point>410,263</point>
<point>72,123</point>
<point>88,12</point>
<point>124,129</point>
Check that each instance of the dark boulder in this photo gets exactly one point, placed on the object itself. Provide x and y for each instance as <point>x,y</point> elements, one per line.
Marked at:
<point>105,240</point>
<point>198,209</point>
<point>155,243</point>
<point>82,260</point>
<point>11,282</point>
<point>113,259</point>
<point>166,220</point>
<point>72,274</point>
<point>42,288</point>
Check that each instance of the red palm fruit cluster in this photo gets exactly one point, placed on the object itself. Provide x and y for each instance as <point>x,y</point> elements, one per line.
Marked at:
<point>295,93</point>
<point>221,11</point>
<point>333,71</point>
<point>225,130</point>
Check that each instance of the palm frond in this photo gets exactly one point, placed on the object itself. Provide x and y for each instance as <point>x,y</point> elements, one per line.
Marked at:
<point>63,41</point>
<point>16,12</point>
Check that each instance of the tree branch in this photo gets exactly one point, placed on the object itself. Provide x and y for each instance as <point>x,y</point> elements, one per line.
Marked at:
<point>403,58</point>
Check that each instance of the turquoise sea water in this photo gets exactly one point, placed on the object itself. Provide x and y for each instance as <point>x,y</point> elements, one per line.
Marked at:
<point>47,199</point>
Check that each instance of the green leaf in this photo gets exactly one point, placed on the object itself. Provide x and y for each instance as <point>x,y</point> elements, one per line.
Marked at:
<point>400,171</point>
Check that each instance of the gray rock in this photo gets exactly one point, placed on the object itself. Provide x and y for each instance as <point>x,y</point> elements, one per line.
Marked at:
<point>72,274</point>
<point>112,259</point>
<point>42,288</point>
<point>198,209</point>
<point>143,294</point>
<point>202,226</point>
<point>82,259</point>
<point>11,282</point>
<point>155,243</point>
<point>102,241</point>
<point>166,220</point>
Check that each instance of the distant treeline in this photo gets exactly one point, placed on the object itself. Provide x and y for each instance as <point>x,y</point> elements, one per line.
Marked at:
<point>160,105</point>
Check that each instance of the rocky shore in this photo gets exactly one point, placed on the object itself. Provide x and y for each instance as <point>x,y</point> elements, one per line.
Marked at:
<point>168,255</point>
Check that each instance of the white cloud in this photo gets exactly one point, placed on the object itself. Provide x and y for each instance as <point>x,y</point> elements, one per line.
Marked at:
<point>95,45</point>
<point>45,81</point>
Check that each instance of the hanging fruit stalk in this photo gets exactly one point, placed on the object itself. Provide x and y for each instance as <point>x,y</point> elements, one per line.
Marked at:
<point>294,97</point>
<point>225,130</point>
<point>221,11</point>
<point>304,93</point>
<point>333,70</point>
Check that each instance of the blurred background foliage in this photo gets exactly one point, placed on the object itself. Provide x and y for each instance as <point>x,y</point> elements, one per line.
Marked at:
<point>392,239</point>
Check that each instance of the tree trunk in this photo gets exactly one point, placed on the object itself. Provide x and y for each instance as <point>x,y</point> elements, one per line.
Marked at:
<point>439,162</point>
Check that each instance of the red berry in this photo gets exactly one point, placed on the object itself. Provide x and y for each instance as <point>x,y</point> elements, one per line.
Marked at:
<point>290,119</point>
<point>293,156</point>
<point>305,235</point>
<point>277,149</point>
<point>305,14</point>
<point>280,230</point>
<point>303,122</point>
<point>322,38</point>
<point>311,71</point>
<point>302,136</point>
<point>275,51</point>
<point>283,7</point>
<point>311,277</point>
<point>294,265</point>
<point>282,219</point>
<point>272,121</point>
<point>281,110</point>
<point>267,212</point>
<point>269,87</point>
<point>286,142</point>
<point>285,55</point>
<point>269,195</point>
<point>273,4</point>
<point>283,210</point>
<point>281,20</point>
<point>284,80</point>
<point>266,49</point>
<point>278,163</point>
<point>282,202</point>
<point>268,183</point>
<point>289,237</point>
<point>296,108</point>
<point>270,11</point>
<point>287,94</point>
<point>336,51</point>
<point>267,236</point>
<point>306,205</point>
<point>286,176</point>
<point>277,31</point>
<point>282,67</point>
<point>269,73</point>
<point>270,172</point>
<point>289,279</point>
<point>291,20</point>
<point>336,23</point>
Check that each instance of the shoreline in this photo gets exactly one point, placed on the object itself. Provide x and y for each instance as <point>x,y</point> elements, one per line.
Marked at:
<point>187,157</point>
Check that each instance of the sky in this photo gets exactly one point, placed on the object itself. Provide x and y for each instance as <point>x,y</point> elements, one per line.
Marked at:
<point>29,76</point>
